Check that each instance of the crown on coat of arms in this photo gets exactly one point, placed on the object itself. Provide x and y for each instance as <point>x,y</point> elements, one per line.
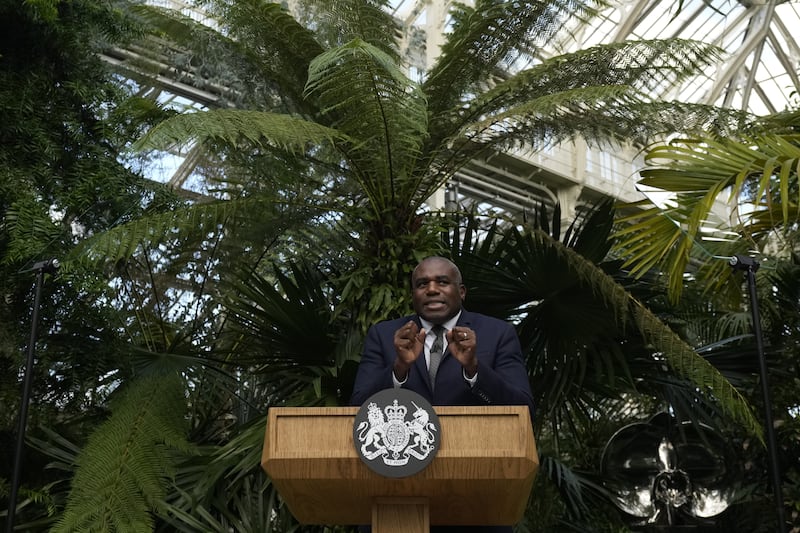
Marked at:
<point>395,412</point>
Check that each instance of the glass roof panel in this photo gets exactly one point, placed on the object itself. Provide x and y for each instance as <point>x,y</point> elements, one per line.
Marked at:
<point>758,72</point>
<point>741,29</point>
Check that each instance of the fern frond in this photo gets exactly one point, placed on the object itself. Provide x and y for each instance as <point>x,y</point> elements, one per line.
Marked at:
<point>648,67</point>
<point>124,468</point>
<point>258,26</point>
<point>345,20</point>
<point>483,37</point>
<point>240,128</point>
<point>369,98</point>
<point>194,223</point>
<point>249,28</point>
<point>542,116</point>
<point>30,230</point>
<point>122,241</point>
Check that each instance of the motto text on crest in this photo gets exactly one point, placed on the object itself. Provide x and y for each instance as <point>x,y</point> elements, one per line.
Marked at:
<point>392,437</point>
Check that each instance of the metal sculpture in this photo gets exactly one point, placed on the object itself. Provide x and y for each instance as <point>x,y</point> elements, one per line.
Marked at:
<point>665,474</point>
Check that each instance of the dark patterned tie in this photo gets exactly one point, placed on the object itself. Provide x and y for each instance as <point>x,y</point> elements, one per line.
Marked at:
<point>436,352</point>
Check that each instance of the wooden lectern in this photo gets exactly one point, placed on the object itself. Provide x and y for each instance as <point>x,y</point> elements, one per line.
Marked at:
<point>481,475</point>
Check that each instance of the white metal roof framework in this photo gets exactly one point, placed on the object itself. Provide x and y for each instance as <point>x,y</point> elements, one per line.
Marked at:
<point>758,74</point>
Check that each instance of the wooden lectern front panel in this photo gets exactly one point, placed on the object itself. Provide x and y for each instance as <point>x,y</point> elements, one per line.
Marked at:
<point>487,454</point>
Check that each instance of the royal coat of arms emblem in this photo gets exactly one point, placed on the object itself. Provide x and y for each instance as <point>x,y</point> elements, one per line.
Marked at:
<point>396,433</point>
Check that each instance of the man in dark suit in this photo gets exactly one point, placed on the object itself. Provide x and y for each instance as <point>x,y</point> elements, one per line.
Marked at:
<point>482,358</point>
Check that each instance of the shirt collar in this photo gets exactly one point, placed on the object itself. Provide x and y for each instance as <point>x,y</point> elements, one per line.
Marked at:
<point>450,324</point>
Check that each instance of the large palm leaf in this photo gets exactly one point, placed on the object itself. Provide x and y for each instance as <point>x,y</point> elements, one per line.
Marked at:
<point>745,188</point>
<point>576,321</point>
<point>283,332</point>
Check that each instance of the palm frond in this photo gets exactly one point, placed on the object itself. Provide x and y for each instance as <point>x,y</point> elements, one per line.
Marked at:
<point>757,173</point>
<point>638,231</point>
<point>224,487</point>
<point>590,235</point>
<point>567,483</point>
<point>543,300</point>
<point>281,328</point>
<point>680,357</point>
<point>548,288</point>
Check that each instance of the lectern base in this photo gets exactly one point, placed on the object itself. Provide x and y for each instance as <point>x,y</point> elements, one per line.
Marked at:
<point>401,515</point>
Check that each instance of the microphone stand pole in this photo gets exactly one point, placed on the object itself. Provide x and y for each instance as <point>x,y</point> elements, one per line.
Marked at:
<point>42,267</point>
<point>749,266</point>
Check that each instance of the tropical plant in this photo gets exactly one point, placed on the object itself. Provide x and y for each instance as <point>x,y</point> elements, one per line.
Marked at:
<point>734,198</point>
<point>64,174</point>
<point>744,190</point>
<point>394,141</point>
<point>317,178</point>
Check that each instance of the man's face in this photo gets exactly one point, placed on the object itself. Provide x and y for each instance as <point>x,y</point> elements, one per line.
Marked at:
<point>436,290</point>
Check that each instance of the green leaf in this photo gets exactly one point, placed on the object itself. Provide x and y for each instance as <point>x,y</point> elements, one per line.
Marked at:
<point>125,468</point>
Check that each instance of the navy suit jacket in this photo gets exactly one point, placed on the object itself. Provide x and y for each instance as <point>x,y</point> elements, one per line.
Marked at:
<point>502,376</point>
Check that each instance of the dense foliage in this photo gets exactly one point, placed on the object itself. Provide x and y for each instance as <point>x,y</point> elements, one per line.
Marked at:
<point>177,321</point>
<point>66,121</point>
